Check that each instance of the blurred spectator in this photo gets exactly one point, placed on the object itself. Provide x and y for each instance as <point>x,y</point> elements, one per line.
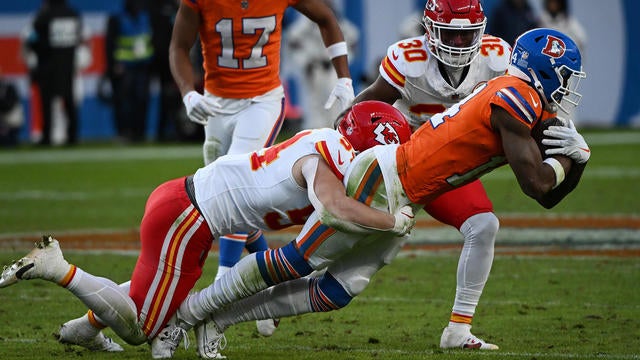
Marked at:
<point>163,14</point>
<point>11,113</point>
<point>317,77</point>
<point>129,51</point>
<point>51,45</point>
<point>556,15</point>
<point>410,26</point>
<point>510,18</point>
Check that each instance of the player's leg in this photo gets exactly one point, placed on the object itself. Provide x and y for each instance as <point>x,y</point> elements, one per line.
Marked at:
<point>175,241</point>
<point>101,295</point>
<point>86,331</point>
<point>469,210</point>
<point>330,290</point>
<point>254,127</point>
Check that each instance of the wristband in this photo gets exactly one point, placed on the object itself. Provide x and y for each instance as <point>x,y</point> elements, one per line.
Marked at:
<point>557,169</point>
<point>337,49</point>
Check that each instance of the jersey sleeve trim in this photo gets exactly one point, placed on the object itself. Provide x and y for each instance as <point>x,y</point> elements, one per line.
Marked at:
<point>518,104</point>
<point>392,72</point>
<point>323,150</point>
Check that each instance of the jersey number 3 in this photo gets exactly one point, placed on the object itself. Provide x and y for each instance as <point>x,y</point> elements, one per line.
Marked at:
<point>250,26</point>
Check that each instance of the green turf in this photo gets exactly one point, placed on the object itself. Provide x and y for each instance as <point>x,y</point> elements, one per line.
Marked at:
<point>533,308</point>
<point>105,187</point>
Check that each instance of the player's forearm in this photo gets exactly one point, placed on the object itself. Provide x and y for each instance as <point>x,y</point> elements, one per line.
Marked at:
<point>349,215</point>
<point>181,69</point>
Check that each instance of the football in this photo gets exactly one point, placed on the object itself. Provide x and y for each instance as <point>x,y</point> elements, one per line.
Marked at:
<point>537,132</point>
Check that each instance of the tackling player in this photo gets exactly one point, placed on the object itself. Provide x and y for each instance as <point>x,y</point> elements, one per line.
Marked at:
<point>270,189</point>
<point>487,129</point>
<point>425,75</point>
<point>242,108</point>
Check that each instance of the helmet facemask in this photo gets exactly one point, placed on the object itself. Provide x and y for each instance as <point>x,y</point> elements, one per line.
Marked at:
<point>566,97</point>
<point>456,43</point>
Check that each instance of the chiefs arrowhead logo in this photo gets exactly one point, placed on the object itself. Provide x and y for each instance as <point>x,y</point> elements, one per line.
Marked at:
<point>555,47</point>
<point>386,134</point>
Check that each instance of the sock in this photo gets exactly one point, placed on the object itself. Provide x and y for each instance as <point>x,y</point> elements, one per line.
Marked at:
<point>479,233</point>
<point>108,301</point>
<point>286,299</point>
<point>256,242</point>
<point>230,251</point>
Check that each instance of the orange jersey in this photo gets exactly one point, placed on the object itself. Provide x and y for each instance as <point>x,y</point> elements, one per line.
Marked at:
<point>240,45</point>
<point>459,145</point>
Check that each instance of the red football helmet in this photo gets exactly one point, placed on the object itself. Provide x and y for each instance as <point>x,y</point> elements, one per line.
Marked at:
<point>370,123</point>
<point>454,30</point>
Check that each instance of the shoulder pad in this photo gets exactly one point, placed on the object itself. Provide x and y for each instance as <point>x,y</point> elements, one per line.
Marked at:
<point>497,51</point>
<point>406,58</point>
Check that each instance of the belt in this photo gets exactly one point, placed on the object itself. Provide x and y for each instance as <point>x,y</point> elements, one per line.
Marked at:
<point>191,191</point>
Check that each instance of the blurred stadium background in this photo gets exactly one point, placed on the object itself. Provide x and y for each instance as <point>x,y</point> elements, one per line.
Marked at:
<point>605,205</point>
<point>611,93</point>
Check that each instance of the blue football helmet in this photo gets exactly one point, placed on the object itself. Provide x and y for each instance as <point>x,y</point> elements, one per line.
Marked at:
<point>550,62</point>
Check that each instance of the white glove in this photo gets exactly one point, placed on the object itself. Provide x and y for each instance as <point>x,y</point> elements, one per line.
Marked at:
<point>199,108</point>
<point>343,92</point>
<point>404,221</point>
<point>568,142</point>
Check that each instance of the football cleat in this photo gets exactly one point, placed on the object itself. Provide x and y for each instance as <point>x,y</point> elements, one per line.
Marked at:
<point>210,341</point>
<point>267,327</point>
<point>75,332</point>
<point>460,337</point>
<point>44,262</point>
<point>166,342</point>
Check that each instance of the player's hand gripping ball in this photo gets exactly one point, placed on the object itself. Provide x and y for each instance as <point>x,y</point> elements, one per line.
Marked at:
<point>539,128</point>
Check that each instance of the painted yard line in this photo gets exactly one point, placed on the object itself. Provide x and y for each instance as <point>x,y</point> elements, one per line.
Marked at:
<point>60,155</point>
<point>100,155</point>
<point>462,353</point>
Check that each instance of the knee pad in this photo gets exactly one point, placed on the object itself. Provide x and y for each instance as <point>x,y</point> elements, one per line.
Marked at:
<point>481,228</point>
<point>211,150</point>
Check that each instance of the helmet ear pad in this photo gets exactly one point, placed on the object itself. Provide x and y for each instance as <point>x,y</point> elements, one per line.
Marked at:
<point>370,123</point>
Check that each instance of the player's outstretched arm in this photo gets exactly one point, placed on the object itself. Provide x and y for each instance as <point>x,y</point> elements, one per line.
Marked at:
<point>343,213</point>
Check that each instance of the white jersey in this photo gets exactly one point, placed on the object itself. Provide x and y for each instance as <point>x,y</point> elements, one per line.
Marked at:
<point>410,68</point>
<point>257,190</point>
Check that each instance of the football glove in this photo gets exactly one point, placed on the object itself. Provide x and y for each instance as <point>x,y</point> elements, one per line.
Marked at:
<point>199,108</point>
<point>343,93</point>
<point>566,140</point>
<point>404,221</point>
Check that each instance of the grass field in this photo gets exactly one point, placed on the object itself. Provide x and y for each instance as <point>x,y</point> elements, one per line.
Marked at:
<point>533,307</point>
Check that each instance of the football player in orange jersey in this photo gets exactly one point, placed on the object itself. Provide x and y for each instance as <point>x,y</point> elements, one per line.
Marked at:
<point>423,75</point>
<point>242,107</point>
<point>487,129</point>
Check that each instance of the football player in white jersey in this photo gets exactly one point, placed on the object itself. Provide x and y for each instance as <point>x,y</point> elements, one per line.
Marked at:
<point>268,189</point>
<point>425,75</point>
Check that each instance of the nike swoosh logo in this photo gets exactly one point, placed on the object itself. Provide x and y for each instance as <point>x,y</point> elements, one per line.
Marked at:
<point>585,150</point>
<point>394,56</point>
<point>535,103</point>
<point>340,161</point>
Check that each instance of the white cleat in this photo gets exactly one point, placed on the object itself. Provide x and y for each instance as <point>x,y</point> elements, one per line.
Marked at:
<point>166,342</point>
<point>44,262</point>
<point>460,337</point>
<point>267,327</point>
<point>210,341</point>
<point>74,332</point>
